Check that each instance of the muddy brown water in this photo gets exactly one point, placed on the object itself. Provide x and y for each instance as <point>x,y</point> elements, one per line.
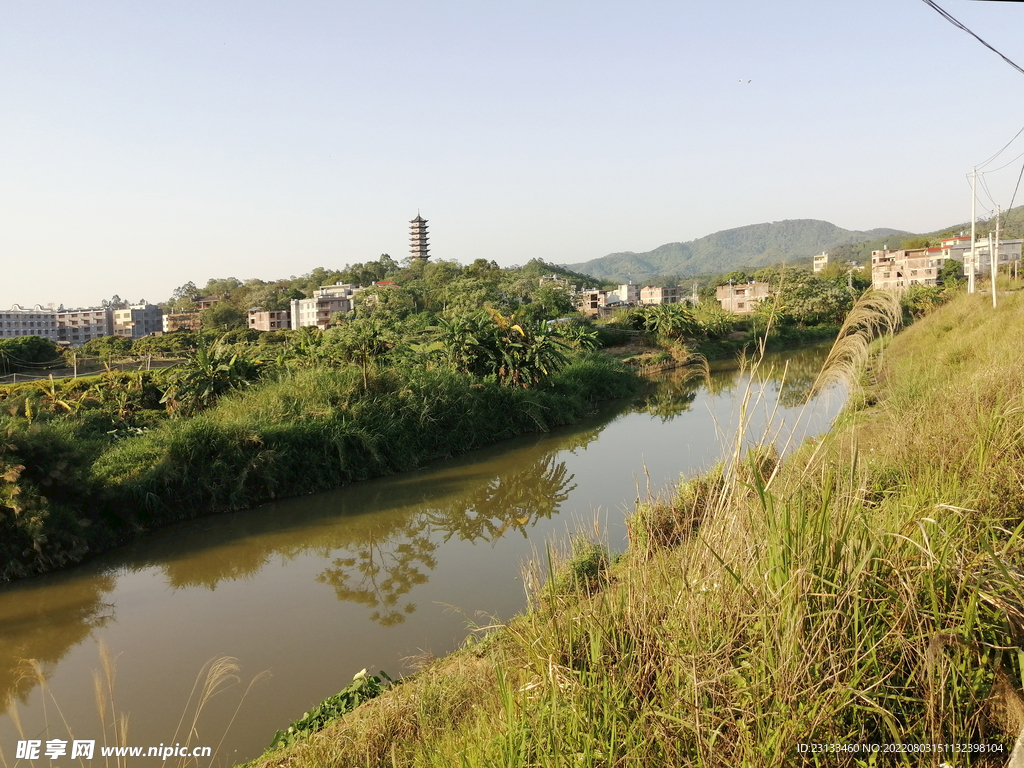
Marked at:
<point>316,588</point>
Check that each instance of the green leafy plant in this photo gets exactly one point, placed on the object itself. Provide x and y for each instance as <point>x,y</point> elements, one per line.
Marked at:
<point>362,688</point>
<point>205,376</point>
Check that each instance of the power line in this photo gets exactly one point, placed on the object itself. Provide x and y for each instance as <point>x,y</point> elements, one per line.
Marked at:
<point>997,154</point>
<point>1006,165</point>
<point>944,14</point>
<point>1014,197</point>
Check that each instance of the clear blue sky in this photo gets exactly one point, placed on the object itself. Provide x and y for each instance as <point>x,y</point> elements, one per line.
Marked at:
<point>148,144</point>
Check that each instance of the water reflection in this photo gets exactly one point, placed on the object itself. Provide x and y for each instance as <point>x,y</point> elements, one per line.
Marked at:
<point>372,543</point>
<point>44,623</point>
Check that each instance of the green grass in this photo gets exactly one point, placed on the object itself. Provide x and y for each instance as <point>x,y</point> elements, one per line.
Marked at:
<point>866,590</point>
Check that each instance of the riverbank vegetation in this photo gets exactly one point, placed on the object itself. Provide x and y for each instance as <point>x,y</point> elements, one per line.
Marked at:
<point>88,463</point>
<point>866,590</point>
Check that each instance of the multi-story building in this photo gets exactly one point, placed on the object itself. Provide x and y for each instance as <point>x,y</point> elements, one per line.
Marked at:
<point>742,298</point>
<point>181,321</point>
<point>656,294</point>
<point>138,320</point>
<point>820,261</point>
<point>627,293</point>
<point>38,321</point>
<point>898,270</point>
<point>317,310</point>
<point>269,319</point>
<point>1009,252</point>
<point>77,326</point>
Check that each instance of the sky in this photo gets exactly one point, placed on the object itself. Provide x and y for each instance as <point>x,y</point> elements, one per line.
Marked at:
<point>145,145</point>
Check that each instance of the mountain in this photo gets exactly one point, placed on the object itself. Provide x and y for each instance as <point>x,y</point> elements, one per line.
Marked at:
<point>754,245</point>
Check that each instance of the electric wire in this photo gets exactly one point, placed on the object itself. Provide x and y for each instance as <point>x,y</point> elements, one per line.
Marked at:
<point>1006,165</point>
<point>1014,197</point>
<point>945,14</point>
<point>988,193</point>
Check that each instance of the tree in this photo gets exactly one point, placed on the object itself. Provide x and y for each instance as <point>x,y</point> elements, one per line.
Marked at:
<point>951,272</point>
<point>389,304</point>
<point>737,276</point>
<point>107,347</point>
<point>550,302</point>
<point>222,316</point>
<point>114,302</point>
<point>912,243</point>
<point>361,341</point>
<point>183,297</point>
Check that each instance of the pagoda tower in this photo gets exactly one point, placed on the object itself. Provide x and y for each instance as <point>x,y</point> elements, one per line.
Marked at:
<point>418,238</point>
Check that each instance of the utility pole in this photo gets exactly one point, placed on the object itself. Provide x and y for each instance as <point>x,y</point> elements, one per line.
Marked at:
<point>974,219</point>
<point>995,258</point>
<point>992,268</point>
<point>74,362</point>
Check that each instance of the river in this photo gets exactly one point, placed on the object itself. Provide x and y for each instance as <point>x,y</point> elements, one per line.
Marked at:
<point>316,588</point>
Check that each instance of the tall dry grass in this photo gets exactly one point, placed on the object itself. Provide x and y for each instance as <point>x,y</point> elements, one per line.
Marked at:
<point>217,677</point>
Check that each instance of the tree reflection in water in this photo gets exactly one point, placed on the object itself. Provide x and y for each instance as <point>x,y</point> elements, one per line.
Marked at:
<point>381,571</point>
<point>42,622</point>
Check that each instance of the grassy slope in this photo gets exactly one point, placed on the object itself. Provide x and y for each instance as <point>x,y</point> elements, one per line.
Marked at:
<point>869,593</point>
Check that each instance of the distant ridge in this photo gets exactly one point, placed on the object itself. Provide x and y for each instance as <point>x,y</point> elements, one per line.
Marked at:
<point>754,245</point>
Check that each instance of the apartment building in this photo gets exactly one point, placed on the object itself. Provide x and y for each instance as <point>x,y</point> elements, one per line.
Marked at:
<point>138,320</point>
<point>820,261</point>
<point>742,298</point>
<point>37,321</point>
<point>77,326</point>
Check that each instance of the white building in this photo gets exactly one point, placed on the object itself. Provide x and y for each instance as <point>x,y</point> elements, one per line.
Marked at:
<point>317,311</point>
<point>38,321</point>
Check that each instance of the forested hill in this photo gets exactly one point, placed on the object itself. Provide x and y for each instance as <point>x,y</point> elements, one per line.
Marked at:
<point>750,246</point>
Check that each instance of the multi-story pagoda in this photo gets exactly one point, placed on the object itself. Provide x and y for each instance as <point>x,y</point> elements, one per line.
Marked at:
<point>418,239</point>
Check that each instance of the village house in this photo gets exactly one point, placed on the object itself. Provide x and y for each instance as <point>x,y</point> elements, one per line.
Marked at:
<point>658,294</point>
<point>742,298</point>
<point>269,319</point>
<point>595,301</point>
<point>316,312</point>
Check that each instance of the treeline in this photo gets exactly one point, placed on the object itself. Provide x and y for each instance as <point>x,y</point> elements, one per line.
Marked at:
<point>434,286</point>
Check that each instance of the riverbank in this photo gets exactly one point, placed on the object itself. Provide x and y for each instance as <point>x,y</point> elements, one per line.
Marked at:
<point>71,486</point>
<point>863,592</point>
